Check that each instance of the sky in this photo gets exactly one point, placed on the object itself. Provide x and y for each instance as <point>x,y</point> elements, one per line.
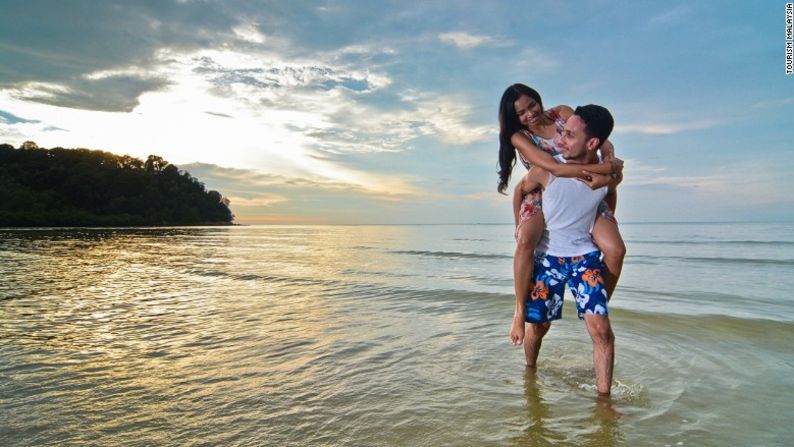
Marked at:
<point>368,112</point>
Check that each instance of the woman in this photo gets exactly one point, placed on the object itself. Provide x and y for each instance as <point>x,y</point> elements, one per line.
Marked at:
<point>526,127</point>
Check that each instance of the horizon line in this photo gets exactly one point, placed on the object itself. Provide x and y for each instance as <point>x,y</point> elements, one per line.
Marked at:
<point>384,224</point>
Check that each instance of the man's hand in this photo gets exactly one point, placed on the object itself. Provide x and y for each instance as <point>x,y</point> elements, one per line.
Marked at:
<point>517,330</point>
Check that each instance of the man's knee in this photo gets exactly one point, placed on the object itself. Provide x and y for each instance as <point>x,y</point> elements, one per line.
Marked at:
<point>604,336</point>
<point>538,330</point>
<point>600,329</point>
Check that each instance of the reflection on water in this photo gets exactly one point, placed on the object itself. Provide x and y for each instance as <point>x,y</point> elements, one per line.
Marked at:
<point>550,422</point>
<point>345,336</point>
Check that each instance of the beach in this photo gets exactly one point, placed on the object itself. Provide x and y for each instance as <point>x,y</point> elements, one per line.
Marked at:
<point>389,335</point>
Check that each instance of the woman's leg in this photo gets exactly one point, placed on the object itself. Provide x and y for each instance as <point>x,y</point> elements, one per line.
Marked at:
<point>607,237</point>
<point>527,237</point>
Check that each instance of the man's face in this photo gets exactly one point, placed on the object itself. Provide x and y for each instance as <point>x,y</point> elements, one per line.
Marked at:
<point>528,110</point>
<point>573,140</point>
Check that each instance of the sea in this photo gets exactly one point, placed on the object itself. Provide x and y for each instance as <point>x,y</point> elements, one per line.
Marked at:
<point>385,335</point>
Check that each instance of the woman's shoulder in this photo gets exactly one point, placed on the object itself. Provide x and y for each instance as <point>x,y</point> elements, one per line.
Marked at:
<point>521,134</point>
<point>563,111</point>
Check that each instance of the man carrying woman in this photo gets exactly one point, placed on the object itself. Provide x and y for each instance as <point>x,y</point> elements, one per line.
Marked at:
<point>536,134</point>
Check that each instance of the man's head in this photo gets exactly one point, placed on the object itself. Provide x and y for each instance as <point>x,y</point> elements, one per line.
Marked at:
<point>585,131</point>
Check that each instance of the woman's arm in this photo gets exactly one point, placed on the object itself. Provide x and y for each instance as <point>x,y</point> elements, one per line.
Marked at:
<point>607,151</point>
<point>543,159</point>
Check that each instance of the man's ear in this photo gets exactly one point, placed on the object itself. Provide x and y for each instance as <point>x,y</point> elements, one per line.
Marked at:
<point>593,143</point>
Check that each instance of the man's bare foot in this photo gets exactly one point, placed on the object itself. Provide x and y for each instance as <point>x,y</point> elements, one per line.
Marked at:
<point>605,409</point>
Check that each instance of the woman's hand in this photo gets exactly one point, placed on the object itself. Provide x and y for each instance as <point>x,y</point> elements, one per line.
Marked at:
<point>595,181</point>
<point>616,165</point>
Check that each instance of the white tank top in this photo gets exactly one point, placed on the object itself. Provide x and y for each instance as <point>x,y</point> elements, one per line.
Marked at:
<point>569,207</point>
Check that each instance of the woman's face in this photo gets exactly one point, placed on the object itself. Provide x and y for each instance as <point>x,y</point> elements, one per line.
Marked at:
<point>528,110</point>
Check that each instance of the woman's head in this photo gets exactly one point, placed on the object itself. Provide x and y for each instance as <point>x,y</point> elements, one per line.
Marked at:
<point>510,122</point>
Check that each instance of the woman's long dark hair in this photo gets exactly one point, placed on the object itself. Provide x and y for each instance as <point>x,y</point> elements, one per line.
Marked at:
<point>508,125</point>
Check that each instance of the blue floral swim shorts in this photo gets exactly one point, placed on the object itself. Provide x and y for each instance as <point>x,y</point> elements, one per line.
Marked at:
<point>584,276</point>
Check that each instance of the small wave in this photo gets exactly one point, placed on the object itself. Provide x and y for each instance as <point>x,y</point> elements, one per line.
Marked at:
<point>256,277</point>
<point>451,254</point>
<point>711,260</point>
<point>357,272</point>
<point>717,325</point>
<point>736,242</point>
<point>699,296</point>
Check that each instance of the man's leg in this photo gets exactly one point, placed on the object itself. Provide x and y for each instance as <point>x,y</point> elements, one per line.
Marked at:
<point>532,341</point>
<point>603,350</point>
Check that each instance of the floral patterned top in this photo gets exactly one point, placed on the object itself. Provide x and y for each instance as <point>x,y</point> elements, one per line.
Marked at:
<point>546,144</point>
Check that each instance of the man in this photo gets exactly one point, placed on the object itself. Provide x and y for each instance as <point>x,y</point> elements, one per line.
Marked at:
<point>566,253</point>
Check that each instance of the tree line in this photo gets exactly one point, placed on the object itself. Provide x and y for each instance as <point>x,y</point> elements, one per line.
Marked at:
<point>82,187</point>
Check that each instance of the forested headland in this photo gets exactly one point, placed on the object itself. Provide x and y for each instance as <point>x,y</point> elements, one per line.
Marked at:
<point>82,187</point>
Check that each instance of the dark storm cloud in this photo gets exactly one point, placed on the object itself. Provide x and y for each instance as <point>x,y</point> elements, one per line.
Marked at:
<point>113,94</point>
<point>59,42</point>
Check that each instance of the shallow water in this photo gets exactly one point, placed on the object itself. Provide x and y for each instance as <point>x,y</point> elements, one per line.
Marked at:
<point>383,335</point>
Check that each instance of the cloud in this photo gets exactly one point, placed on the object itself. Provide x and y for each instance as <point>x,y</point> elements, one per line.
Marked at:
<point>321,101</point>
<point>467,40</point>
<point>664,128</point>
<point>106,93</point>
<point>258,201</point>
<point>710,183</point>
<point>754,182</point>
<point>245,182</point>
<point>226,69</point>
<point>258,197</point>
<point>10,118</point>
<point>362,128</point>
<point>531,60</point>
<point>50,66</point>
<point>222,115</point>
<point>775,102</point>
<point>290,114</point>
<point>318,102</point>
<point>249,32</point>
<point>15,129</point>
<point>676,15</point>
<point>637,173</point>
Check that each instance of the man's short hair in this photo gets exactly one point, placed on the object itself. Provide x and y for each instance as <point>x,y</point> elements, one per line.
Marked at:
<point>598,121</point>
